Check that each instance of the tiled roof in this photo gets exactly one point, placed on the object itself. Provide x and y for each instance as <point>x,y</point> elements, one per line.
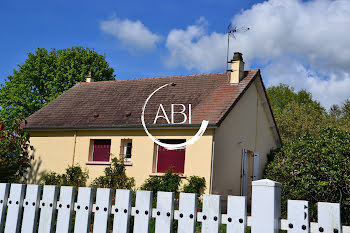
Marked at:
<point>119,103</point>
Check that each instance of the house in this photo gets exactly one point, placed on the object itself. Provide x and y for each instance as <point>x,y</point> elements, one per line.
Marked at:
<point>93,121</point>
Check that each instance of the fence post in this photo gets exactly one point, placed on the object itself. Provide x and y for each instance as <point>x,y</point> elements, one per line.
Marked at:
<point>266,206</point>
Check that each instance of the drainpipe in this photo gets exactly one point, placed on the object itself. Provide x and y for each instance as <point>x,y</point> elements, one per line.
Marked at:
<point>75,143</point>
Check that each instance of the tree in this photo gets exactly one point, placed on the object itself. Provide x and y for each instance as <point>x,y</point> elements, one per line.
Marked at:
<point>296,113</point>
<point>282,95</point>
<point>45,75</point>
<point>14,158</point>
<point>315,168</point>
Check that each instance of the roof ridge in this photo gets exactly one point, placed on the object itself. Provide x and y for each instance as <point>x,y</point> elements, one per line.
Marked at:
<point>170,76</point>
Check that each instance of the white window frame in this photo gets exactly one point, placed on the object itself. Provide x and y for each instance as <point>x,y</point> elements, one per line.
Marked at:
<point>125,148</point>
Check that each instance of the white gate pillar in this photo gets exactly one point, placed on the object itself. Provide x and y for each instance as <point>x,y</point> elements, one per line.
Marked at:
<point>266,206</point>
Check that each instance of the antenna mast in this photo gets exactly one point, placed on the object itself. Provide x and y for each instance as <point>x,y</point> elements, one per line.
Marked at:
<point>231,30</point>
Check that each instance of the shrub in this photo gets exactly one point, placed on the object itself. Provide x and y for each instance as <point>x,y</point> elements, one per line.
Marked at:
<point>51,178</point>
<point>114,177</point>
<point>315,168</point>
<point>195,184</point>
<point>169,182</point>
<point>74,176</point>
<point>14,158</point>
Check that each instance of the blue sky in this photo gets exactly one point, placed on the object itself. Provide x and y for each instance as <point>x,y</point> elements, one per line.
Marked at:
<point>27,25</point>
<point>292,41</point>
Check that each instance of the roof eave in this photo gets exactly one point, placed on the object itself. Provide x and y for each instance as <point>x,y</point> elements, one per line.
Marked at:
<point>118,127</point>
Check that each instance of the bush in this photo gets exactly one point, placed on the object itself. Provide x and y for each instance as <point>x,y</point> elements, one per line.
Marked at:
<point>74,176</point>
<point>195,184</point>
<point>169,182</point>
<point>14,158</point>
<point>315,168</point>
<point>51,178</point>
<point>115,177</point>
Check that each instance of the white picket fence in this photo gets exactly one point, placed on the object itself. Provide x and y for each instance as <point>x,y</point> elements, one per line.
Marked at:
<point>20,204</point>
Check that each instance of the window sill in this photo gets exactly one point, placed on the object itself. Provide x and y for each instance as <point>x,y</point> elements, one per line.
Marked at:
<point>97,163</point>
<point>127,163</point>
<point>162,174</point>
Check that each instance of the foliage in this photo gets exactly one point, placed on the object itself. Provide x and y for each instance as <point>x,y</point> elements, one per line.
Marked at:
<point>74,176</point>
<point>51,178</point>
<point>14,158</point>
<point>45,75</point>
<point>195,184</point>
<point>169,182</point>
<point>315,168</point>
<point>115,177</point>
<point>296,113</point>
<point>341,115</point>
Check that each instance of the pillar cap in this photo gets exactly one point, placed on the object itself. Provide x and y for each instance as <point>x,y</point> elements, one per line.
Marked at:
<point>266,182</point>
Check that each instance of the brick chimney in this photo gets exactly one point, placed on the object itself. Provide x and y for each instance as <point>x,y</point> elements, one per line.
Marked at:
<point>237,68</point>
<point>89,78</point>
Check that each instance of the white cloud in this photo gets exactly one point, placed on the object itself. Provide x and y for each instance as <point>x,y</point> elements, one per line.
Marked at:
<point>194,49</point>
<point>332,90</point>
<point>304,44</point>
<point>134,35</point>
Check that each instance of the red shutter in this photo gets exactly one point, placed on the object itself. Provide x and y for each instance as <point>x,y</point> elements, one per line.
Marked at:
<point>174,159</point>
<point>102,149</point>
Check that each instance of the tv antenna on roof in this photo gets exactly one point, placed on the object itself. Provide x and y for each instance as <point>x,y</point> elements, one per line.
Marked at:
<point>231,30</point>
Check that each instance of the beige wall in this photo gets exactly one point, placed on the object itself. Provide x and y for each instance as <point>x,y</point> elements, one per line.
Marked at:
<point>246,126</point>
<point>54,151</point>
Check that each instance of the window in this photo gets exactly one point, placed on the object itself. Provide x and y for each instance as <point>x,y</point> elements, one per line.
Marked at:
<point>101,150</point>
<point>174,159</point>
<point>126,149</point>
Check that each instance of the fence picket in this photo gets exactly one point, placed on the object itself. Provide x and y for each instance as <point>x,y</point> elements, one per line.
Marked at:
<point>83,210</point>
<point>48,209</point>
<point>14,208</point>
<point>164,212</point>
<point>298,216</point>
<point>211,214</point>
<point>187,213</point>
<point>31,208</point>
<point>329,217</point>
<point>142,211</point>
<point>65,209</point>
<point>102,209</point>
<point>4,192</point>
<point>121,211</point>
<point>236,217</point>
